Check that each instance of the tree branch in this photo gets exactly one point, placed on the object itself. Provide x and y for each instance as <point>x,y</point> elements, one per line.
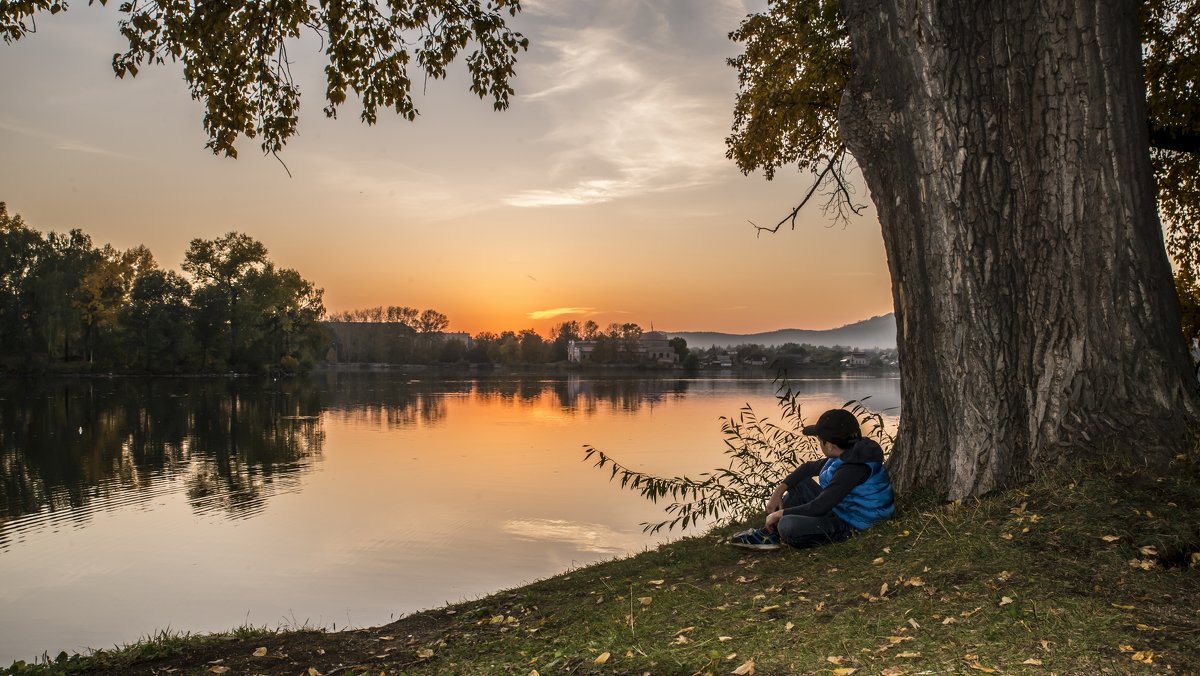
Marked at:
<point>1179,139</point>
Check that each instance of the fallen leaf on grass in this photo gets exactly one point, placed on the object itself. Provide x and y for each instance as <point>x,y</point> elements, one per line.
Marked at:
<point>1118,605</point>
<point>908,654</point>
<point>533,672</point>
<point>1110,538</point>
<point>892,671</point>
<point>1144,564</point>
<point>877,562</point>
<point>789,626</point>
<point>914,582</point>
<point>844,671</point>
<point>1033,661</point>
<point>1125,648</point>
<point>1143,656</point>
<point>767,609</point>
<point>681,640</point>
<point>724,638</point>
<point>219,670</point>
<point>1006,536</point>
<point>979,667</point>
<point>949,620</point>
<point>746,669</point>
<point>834,659</point>
<point>312,671</point>
<point>602,658</point>
<point>1004,601</point>
<point>424,653</point>
<point>387,638</point>
<point>645,600</point>
<point>261,652</point>
<point>820,607</point>
<point>730,656</point>
<point>657,582</point>
<point>684,630</point>
<point>1148,550</point>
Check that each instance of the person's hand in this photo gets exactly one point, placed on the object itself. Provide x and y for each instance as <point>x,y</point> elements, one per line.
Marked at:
<point>773,519</point>
<point>775,503</point>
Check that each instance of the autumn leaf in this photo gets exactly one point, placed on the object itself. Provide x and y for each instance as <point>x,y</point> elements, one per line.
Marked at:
<point>844,671</point>
<point>312,671</point>
<point>1143,656</point>
<point>834,659</point>
<point>681,640</point>
<point>979,667</point>
<point>767,609</point>
<point>1033,661</point>
<point>533,672</point>
<point>645,600</point>
<point>1006,536</point>
<point>219,670</point>
<point>877,562</point>
<point>1004,601</point>
<point>746,669</point>
<point>657,583</point>
<point>908,654</point>
<point>789,626</point>
<point>1148,550</point>
<point>424,653</point>
<point>724,638</point>
<point>892,671</point>
<point>1110,538</point>
<point>684,630</point>
<point>261,652</point>
<point>387,638</point>
<point>602,658</point>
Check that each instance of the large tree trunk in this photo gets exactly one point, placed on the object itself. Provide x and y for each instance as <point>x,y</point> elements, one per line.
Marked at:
<point>1006,149</point>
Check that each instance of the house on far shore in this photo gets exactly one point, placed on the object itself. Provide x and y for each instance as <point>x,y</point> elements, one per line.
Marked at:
<point>855,360</point>
<point>653,346</point>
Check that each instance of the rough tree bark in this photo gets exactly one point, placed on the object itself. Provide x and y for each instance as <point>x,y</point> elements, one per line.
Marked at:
<point>1005,147</point>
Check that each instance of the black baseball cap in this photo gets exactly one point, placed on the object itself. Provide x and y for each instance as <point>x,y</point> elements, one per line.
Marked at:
<point>836,425</point>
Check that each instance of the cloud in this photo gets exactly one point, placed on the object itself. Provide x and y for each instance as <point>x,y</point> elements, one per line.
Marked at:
<point>559,311</point>
<point>62,142</point>
<point>626,117</point>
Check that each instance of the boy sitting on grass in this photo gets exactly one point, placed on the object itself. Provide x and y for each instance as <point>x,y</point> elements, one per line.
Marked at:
<point>854,490</point>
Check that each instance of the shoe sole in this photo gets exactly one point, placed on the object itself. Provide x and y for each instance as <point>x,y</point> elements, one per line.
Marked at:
<point>763,547</point>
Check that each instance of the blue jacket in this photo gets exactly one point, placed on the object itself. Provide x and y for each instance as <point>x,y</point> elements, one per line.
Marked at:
<point>871,500</point>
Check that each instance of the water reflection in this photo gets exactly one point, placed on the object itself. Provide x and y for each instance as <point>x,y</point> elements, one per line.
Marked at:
<point>383,398</point>
<point>71,448</point>
<point>372,493</point>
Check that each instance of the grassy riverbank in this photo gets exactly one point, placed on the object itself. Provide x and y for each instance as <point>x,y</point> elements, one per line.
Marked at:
<point>1092,570</point>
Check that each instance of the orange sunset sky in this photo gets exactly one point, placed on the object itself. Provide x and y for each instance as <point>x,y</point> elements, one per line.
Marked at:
<point>603,193</point>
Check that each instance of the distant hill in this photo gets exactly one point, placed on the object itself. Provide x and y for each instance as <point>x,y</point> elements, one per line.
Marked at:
<point>873,332</point>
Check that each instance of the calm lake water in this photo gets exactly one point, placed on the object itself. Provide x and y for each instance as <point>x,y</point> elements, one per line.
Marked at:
<point>129,506</point>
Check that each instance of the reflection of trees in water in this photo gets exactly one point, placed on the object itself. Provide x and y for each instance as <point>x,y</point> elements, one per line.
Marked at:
<point>71,447</point>
<point>390,399</point>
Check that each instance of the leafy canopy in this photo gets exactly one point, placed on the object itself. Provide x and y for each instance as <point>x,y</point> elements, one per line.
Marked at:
<point>235,53</point>
<point>798,59</point>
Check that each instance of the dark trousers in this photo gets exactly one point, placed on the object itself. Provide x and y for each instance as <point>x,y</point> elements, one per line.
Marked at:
<point>808,531</point>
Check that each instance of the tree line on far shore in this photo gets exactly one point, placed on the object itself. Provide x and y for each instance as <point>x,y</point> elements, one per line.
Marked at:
<point>64,300</point>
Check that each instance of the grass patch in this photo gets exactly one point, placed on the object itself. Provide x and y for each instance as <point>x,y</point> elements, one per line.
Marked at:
<point>1092,569</point>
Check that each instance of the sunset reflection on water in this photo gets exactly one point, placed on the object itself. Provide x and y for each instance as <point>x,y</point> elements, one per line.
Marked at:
<point>349,499</point>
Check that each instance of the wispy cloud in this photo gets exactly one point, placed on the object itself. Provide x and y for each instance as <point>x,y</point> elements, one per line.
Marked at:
<point>560,311</point>
<point>624,123</point>
<point>60,142</point>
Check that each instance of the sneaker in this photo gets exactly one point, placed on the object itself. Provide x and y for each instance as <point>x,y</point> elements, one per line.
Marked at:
<point>756,538</point>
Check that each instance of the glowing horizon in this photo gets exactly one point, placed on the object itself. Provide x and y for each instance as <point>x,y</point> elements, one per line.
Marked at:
<point>603,193</point>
